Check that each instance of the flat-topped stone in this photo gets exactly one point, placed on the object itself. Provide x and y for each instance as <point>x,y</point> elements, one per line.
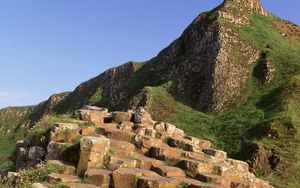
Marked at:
<point>157,182</point>
<point>214,179</point>
<point>194,167</point>
<point>121,135</point>
<point>192,183</point>
<point>127,178</point>
<point>117,162</point>
<point>146,162</point>
<point>80,185</point>
<point>168,171</point>
<point>98,177</point>
<point>215,153</point>
<point>121,148</point>
<point>163,153</point>
<point>147,142</point>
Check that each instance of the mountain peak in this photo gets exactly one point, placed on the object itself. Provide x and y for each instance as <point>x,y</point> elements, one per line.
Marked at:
<point>252,5</point>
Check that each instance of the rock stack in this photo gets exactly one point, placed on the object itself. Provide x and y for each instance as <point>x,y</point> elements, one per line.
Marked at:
<point>129,149</point>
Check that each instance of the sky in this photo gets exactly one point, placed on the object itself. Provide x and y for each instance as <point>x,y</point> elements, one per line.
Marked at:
<point>51,46</point>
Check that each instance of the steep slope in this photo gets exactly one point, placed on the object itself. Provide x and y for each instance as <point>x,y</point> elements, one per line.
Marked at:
<point>231,77</point>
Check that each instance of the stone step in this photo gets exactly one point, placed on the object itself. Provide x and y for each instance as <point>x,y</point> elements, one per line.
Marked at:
<point>157,182</point>
<point>121,148</point>
<point>127,178</point>
<point>164,153</point>
<point>184,144</point>
<point>62,178</point>
<point>121,135</point>
<point>215,153</point>
<point>64,167</point>
<point>169,171</point>
<point>118,117</point>
<point>147,142</point>
<point>214,179</point>
<point>192,183</point>
<point>117,162</point>
<point>194,167</point>
<point>98,177</point>
<point>203,144</point>
<point>146,162</point>
<point>80,185</point>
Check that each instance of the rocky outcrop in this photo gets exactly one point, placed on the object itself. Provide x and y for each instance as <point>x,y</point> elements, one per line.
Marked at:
<point>147,154</point>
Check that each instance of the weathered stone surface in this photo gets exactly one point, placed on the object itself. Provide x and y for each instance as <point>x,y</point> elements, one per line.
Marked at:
<point>116,163</point>
<point>62,178</point>
<point>40,185</point>
<point>195,167</point>
<point>146,162</point>
<point>88,131</point>
<point>168,171</point>
<point>214,179</point>
<point>121,148</point>
<point>127,178</point>
<point>93,150</point>
<point>119,117</point>
<point>55,149</point>
<point>120,135</point>
<point>147,142</point>
<point>157,182</point>
<point>202,144</point>
<point>238,165</point>
<point>98,177</point>
<point>64,167</point>
<point>215,153</point>
<point>126,125</point>
<point>192,183</point>
<point>64,132</point>
<point>80,185</point>
<point>141,116</point>
<point>165,152</point>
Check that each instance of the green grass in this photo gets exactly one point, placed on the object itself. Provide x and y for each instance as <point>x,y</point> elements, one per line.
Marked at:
<point>272,108</point>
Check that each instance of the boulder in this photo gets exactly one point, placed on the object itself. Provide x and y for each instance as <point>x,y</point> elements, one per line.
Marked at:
<point>147,162</point>
<point>194,167</point>
<point>147,142</point>
<point>98,177</point>
<point>22,156</point>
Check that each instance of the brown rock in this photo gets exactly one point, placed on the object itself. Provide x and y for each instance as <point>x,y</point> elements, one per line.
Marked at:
<point>168,171</point>
<point>195,167</point>
<point>116,163</point>
<point>141,116</point>
<point>146,162</point>
<point>88,131</point>
<point>191,183</point>
<point>147,142</point>
<point>92,153</point>
<point>202,144</point>
<point>118,117</point>
<point>157,182</point>
<point>163,153</point>
<point>121,148</point>
<point>238,165</point>
<point>127,178</point>
<point>80,185</point>
<point>120,135</point>
<point>215,153</point>
<point>214,179</point>
<point>98,177</point>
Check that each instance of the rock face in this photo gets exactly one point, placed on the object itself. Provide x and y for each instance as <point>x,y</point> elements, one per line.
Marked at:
<point>144,160</point>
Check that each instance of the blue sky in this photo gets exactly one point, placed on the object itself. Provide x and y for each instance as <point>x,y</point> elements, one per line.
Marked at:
<point>50,46</point>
